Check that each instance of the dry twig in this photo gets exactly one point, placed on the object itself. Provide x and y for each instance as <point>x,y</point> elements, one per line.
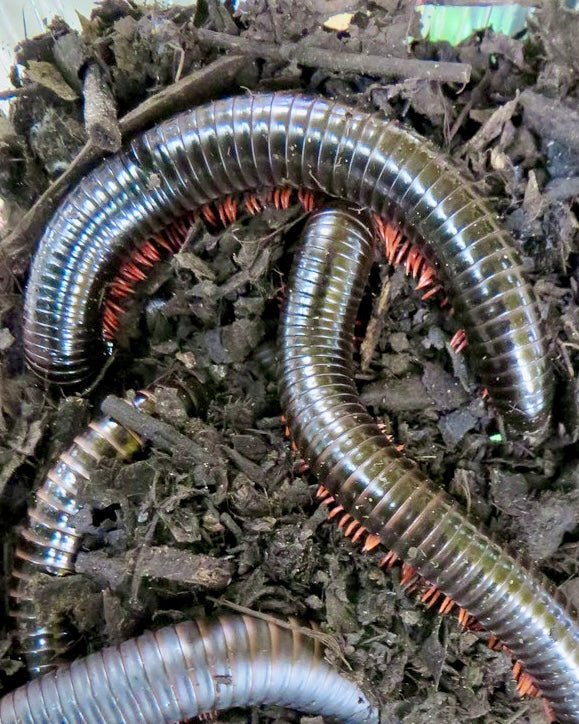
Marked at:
<point>326,639</point>
<point>337,61</point>
<point>161,435</point>
<point>23,91</point>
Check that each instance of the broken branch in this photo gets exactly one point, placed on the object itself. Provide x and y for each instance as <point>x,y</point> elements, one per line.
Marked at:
<point>339,61</point>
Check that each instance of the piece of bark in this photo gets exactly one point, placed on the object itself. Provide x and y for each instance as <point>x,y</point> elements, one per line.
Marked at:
<point>161,435</point>
<point>100,112</point>
<point>551,119</point>
<point>166,563</point>
<point>375,327</point>
<point>209,82</point>
<point>71,55</point>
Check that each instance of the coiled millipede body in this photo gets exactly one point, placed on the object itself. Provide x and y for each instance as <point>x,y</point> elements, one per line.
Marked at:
<point>384,491</point>
<point>248,143</point>
<point>188,670</point>
<point>49,543</point>
<point>245,144</point>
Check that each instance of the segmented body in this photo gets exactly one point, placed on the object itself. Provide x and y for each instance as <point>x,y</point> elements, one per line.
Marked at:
<point>249,143</point>
<point>252,142</point>
<point>383,491</point>
<point>189,670</point>
<point>50,542</point>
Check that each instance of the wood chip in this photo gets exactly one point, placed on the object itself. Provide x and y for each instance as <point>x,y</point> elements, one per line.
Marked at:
<point>339,23</point>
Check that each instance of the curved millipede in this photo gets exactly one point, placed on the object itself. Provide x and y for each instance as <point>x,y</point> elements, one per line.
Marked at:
<point>189,670</point>
<point>383,491</point>
<point>410,581</point>
<point>136,267</point>
<point>271,141</point>
<point>249,143</point>
<point>50,544</point>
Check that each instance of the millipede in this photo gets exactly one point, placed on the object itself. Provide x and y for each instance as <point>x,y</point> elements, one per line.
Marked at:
<point>410,581</point>
<point>49,542</point>
<point>278,141</point>
<point>209,161</point>
<point>193,669</point>
<point>382,497</point>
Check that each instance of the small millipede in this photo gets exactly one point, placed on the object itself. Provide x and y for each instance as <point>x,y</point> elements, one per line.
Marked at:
<point>190,670</point>
<point>49,543</point>
<point>275,141</point>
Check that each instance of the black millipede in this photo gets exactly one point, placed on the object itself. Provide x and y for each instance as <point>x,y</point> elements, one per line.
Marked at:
<point>191,669</point>
<point>385,492</point>
<point>249,143</point>
<point>49,543</point>
<point>268,141</point>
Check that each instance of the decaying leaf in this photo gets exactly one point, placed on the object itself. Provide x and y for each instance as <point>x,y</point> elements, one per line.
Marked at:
<point>48,76</point>
<point>533,201</point>
<point>494,125</point>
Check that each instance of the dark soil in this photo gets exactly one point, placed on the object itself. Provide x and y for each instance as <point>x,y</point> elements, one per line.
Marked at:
<point>231,517</point>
